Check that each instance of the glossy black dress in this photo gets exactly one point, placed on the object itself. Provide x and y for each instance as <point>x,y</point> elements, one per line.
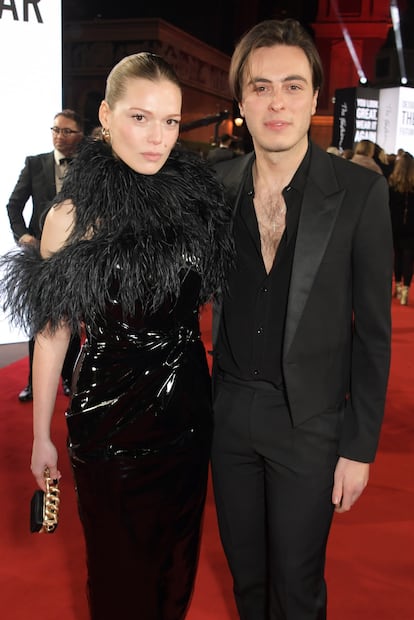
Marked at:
<point>139,423</point>
<point>139,436</point>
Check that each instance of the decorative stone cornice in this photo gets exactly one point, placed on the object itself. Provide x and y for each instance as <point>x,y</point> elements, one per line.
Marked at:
<point>93,48</point>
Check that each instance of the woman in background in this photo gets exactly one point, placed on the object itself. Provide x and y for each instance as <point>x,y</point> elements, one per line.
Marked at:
<point>137,242</point>
<point>401,184</point>
<point>364,155</point>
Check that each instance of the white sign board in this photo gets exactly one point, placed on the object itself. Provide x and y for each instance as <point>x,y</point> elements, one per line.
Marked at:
<point>396,119</point>
<point>31,94</point>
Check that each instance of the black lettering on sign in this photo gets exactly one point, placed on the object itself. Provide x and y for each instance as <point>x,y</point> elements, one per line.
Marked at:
<point>34,4</point>
<point>10,5</point>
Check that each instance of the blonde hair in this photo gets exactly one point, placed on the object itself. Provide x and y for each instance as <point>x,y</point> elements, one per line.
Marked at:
<point>141,65</point>
<point>365,147</point>
<point>333,150</point>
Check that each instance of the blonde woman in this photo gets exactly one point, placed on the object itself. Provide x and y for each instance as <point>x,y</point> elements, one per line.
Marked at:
<point>137,242</point>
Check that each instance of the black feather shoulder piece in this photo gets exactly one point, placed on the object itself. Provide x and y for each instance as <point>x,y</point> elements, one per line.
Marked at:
<point>146,229</point>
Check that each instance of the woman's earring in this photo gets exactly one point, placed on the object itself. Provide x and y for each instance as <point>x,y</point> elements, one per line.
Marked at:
<point>106,135</point>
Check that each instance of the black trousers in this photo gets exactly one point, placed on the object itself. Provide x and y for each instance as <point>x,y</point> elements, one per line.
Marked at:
<point>70,359</point>
<point>273,484</point>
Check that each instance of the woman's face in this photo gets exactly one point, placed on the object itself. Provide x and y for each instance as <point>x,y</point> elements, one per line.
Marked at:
<point>144,123</point>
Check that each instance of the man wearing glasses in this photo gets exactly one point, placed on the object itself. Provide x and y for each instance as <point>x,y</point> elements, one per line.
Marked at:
<point>40,180</point>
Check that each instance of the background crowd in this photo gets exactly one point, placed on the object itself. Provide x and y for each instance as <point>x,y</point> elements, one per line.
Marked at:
<point>398,169</point>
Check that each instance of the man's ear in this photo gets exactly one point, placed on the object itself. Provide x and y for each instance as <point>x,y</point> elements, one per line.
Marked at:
<point>315,101</point>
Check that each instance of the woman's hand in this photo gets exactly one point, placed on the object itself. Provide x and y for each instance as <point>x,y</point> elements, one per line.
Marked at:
<point>44,454</point>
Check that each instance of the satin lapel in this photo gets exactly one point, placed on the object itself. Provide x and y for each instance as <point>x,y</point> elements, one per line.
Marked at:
<point>320,207</point>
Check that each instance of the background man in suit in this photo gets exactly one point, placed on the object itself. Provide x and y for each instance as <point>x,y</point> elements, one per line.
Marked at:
<point>302,357</point>
<point>40,180</point>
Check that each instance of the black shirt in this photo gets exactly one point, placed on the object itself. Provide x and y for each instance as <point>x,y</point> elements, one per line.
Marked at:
<point>250,340</point>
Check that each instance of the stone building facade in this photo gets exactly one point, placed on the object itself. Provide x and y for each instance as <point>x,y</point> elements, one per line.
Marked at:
<point>92,48</point>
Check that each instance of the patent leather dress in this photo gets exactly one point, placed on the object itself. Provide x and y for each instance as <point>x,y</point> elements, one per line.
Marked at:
<point>139,436</point>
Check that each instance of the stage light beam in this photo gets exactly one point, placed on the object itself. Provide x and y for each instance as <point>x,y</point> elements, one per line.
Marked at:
<point>395,18</point>
<point>349,43</point>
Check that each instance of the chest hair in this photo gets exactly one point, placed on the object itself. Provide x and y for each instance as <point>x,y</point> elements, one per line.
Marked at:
<point>270,208</point>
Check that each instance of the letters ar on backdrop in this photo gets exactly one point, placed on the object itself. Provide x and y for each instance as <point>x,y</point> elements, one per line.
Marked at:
<point>31,94</point>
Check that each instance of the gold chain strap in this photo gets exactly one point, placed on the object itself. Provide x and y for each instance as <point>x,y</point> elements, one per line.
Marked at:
<point>51,504</point>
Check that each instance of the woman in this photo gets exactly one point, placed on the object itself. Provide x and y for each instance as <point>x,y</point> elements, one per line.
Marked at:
<point>138,240</point>
<point>401,184</point>
<point>364,155</point>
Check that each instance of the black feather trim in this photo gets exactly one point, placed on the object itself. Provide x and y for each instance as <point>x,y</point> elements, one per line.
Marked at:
<point>146,230</point>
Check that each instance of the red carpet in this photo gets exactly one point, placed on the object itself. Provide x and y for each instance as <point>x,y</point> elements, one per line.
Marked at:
<point>370,567</point>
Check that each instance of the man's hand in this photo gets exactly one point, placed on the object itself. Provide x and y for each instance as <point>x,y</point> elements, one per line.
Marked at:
<point>350,479</point>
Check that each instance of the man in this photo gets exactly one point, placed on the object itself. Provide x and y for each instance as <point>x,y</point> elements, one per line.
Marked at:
<point>41,179</point>
<point>302,356</point>
<point>223,151</point>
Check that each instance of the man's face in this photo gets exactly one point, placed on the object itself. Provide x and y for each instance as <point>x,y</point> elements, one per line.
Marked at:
<point>278,98</point>
<point>67,140</point>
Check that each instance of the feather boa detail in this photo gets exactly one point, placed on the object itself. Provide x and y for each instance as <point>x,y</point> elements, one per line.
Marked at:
<point>147,228</point>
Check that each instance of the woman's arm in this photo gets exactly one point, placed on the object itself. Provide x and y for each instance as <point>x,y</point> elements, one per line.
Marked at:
<point>49,354</point>
<point>48,358</point>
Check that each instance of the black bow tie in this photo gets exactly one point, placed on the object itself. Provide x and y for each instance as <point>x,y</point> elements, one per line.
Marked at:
<point>65,160</point>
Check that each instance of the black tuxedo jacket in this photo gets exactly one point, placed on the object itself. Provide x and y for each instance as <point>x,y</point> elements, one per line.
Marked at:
<point>336,352</point>
<point>36,180</point>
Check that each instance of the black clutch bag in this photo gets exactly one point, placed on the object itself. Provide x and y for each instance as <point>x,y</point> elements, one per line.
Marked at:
<point>44,507</point>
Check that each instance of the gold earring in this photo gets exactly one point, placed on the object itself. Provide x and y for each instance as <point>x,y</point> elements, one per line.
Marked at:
<point>106,134</point>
